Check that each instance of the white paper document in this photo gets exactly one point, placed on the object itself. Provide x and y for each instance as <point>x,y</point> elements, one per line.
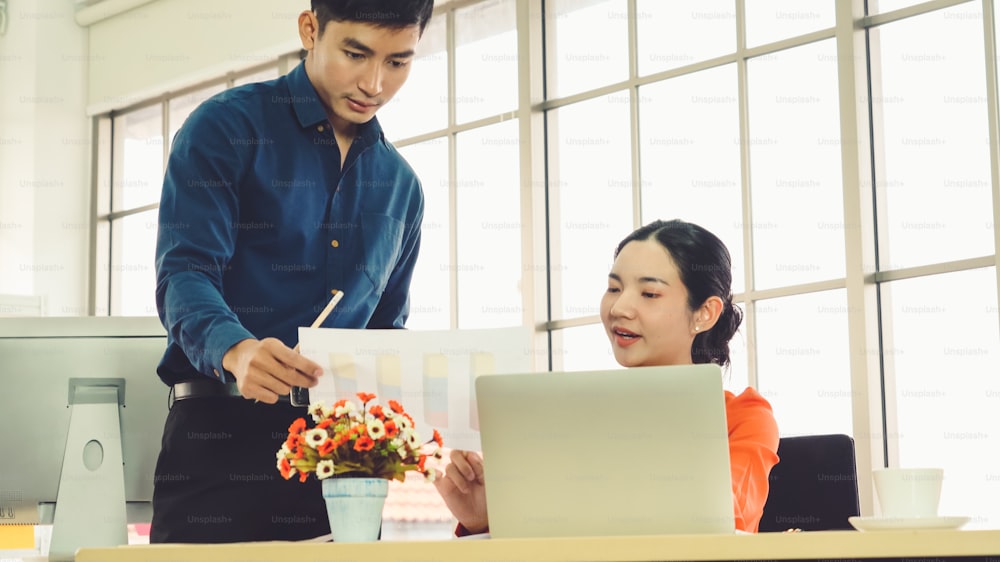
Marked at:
<point>431,373</point>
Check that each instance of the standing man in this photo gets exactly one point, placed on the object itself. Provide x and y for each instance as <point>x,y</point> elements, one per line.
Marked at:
<point>276,194</point>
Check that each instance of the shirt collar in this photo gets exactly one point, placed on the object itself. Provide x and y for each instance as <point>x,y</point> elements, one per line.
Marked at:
<point>310,111</point>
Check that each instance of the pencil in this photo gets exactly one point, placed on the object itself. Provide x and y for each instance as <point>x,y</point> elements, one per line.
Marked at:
<point>337,295</point>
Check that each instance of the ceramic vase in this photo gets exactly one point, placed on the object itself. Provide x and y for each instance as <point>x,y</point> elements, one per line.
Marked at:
<point>354,506</point>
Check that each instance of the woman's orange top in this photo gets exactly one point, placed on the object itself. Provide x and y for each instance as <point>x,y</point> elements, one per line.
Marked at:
<point>753,451</point>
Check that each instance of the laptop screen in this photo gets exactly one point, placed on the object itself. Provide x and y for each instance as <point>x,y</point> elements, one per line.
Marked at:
<point>640,451</point>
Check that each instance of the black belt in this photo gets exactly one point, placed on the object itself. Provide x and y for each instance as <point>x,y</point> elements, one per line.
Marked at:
<point>209,389</point>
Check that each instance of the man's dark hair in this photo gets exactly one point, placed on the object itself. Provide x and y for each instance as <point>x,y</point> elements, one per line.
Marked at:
<point>393,14</point>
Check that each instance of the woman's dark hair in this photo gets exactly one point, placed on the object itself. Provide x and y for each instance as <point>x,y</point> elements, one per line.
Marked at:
<point>706,270</point>
<point>380,13</point>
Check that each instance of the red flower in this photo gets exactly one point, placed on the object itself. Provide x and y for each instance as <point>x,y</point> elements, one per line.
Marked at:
<point>365,397</point>
<point>297,426</point>
<point>364,443</point>
<point>326,447</point>
<point>395,407</point>
<point>391,429</point>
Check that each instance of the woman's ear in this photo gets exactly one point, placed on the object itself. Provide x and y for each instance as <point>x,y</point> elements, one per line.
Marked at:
<point>708,314</point>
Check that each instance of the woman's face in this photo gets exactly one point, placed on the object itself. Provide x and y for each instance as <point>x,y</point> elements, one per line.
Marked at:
<point>645,309</point>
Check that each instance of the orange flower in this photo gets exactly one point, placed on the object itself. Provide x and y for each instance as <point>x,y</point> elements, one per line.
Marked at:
<point>303,476</point>
<point>365,397</point>
<point>326,447</point>
<point>285,468</point>
<point>364,443</point>
<point>297,426</point>
<point>391,430</point>
<point>421,461</point>
<point>293,441</point>
<point>376,411</point>
<point>325,423</point>
<point>395,407</point>
<point>438,439</point>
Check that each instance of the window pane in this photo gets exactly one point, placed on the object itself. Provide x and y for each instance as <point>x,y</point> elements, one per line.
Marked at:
<point>182,106</point>
<point>582,348</point>
<point>489,227</point>
<point>430,301</point>
<point>774,20</point>
<point>944,334</point>
<point>938,201</point>
<point>806,373</point>
<point>582,58</point>
<point>421,105</point>
<point>794,165</point>
<point>485,60</point>
<point>591,205</point>
<point>139,170</point>
<point>674,34</point>
<point>133,279</point>
<point>690,164</point>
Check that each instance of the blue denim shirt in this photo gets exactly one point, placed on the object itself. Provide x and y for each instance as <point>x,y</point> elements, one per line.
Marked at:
<point>258,223</point>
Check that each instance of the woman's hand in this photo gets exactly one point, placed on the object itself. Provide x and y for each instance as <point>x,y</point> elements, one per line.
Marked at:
<point>464,491</point>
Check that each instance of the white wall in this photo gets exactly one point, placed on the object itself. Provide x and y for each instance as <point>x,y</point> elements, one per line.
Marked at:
<point>44,156</point>
<point>169,44</point>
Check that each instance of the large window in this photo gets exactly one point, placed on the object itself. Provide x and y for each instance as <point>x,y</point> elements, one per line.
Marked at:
<point>847,160</point>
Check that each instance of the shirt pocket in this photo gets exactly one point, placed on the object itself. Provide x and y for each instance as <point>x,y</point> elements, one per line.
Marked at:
<point>382,236</point>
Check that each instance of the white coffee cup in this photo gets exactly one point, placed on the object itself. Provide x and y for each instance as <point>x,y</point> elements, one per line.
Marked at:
<point>908,492</point>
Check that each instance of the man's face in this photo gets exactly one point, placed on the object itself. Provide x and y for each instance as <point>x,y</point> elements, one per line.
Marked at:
<point>356,67</point>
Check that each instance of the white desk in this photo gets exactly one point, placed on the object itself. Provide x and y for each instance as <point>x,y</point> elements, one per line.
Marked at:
<point>765,546</point>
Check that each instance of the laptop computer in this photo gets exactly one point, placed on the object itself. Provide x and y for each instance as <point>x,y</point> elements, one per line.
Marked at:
<point>640,451</point>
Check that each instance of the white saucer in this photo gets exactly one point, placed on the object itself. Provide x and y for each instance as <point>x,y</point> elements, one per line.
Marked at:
<point>906,523</point>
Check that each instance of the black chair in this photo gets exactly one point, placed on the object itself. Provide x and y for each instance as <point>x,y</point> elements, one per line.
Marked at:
<point>814,486</point>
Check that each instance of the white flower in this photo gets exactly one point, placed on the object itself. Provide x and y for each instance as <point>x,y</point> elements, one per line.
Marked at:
<point>345,409</point>
<point>400,445</point>
<point>284,450</point>
<point>376,429</point>
<point>324,469</point>
<point>317,411</point>
<point>315,437</point>
<point>412,439</point>
<point>431,474</point>
<point>403,423</point>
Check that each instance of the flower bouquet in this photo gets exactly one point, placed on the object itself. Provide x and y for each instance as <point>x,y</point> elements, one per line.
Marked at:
<point>351,441</point>
<point>355,451</point>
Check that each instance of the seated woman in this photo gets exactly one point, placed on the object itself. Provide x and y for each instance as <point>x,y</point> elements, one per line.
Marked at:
<point>669,302</point>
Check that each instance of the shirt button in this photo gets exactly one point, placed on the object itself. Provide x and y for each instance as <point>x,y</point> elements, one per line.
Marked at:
<point>320,128</point>
<point>335,243</point>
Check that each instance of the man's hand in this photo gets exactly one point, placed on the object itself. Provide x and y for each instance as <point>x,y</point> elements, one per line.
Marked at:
<point>267,368</point>
<point>464,491</point>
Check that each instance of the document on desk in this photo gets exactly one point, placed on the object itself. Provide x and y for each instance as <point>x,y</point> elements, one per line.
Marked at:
<point>431,373</point>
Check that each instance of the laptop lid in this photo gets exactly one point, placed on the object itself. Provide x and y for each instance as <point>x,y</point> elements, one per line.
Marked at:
<point>640,451</point>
